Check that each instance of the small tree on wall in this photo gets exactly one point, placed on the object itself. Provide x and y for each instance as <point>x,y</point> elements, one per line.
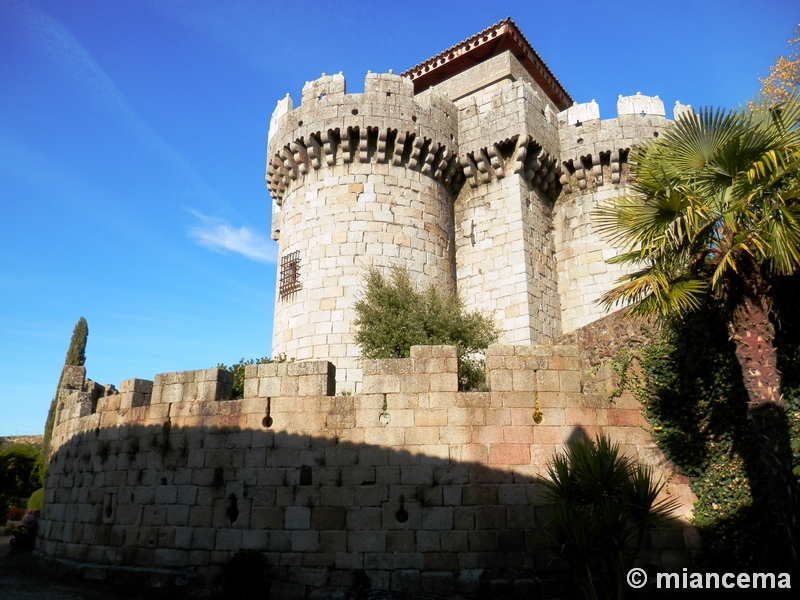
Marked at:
<point>76,356</point>
<point>392,316</point>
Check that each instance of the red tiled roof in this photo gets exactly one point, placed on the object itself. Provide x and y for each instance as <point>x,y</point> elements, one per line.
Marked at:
<point>490,42</point>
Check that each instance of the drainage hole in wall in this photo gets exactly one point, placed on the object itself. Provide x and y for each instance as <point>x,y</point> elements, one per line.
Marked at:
<point>401,515</point>
<point>305,475</point>
<point>267,421</point>
<point>354,111</point>
<point>233,510</point>
<point>655,134</point>
<point>580,140</point>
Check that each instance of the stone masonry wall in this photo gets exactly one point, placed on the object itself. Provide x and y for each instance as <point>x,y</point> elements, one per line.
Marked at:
<point>414,484</point>
<point>504,259</point>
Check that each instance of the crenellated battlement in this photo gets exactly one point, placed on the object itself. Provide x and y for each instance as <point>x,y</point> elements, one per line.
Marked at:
<point>384,124</point>
<point>594,152</point>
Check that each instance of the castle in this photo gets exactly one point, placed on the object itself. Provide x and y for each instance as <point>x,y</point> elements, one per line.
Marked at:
<point>476,172</point>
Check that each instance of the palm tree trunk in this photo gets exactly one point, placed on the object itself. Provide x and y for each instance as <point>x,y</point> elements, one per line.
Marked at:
<point>773,484</point>
<point>754,336</point>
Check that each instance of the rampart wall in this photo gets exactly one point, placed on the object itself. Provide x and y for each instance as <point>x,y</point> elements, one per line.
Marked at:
<point>411,482</point>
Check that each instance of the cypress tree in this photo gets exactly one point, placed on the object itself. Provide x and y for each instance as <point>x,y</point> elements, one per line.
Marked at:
<point>76,356</point>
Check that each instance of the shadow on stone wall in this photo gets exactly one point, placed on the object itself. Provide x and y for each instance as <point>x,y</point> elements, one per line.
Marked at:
<point>320,509</point>
<point>327,514</point>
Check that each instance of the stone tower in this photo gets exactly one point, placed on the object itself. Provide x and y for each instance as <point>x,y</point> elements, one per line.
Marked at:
<point>358,181</point>
<point>474,170</point>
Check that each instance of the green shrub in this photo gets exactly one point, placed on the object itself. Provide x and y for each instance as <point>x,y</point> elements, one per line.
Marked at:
<point>690,385</point>
<point>36,500</point>
<point>76,356</point>
<point>238,371</point>
<point>14,513</point>
<point>603,504</point>
<point>20,473</point>
<point>392,316</point>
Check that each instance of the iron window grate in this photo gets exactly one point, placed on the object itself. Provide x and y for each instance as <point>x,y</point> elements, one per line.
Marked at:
<point>290,272</point>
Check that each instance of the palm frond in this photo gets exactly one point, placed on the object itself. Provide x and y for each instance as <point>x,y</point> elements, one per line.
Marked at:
<point>717,188</point>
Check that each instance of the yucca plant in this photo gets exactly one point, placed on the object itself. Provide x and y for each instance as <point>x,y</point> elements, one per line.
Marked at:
<point>603,504</point>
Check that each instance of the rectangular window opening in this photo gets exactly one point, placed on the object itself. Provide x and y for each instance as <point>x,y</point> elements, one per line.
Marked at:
<point>290,271</point>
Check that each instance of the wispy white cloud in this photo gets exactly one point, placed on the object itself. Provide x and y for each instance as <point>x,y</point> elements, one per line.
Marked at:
<point>216,234</point>
<point>61,46</point>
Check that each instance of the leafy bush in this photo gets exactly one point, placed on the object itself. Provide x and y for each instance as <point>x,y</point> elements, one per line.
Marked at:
<point>238,371</point>
<point>691,387</point>
<point>392,316</point>
<point>36,500</point>
<point>14,513</point>
<point>20,473</point>
<point>603,503</point>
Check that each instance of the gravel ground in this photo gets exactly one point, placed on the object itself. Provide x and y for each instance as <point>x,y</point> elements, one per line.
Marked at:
<point>22,577</point>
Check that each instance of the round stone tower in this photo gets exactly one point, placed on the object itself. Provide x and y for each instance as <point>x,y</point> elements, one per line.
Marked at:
<point>357,181</point>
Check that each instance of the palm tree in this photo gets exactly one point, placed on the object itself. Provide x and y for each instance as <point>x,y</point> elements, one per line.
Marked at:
<point>715,213</point>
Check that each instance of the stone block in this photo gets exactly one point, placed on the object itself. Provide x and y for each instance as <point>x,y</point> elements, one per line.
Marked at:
<point>439,583</point>
<point>437,518</point>
<point>625,418</point>
<point>523,381</point>
<point>430,418</point>
<point>501,381</point>
<point>297,517</point>
<point>509,454</point>
<point>305,541</point>
<point>548,381</point>
<point>444,382</point>
<point>570,381</point>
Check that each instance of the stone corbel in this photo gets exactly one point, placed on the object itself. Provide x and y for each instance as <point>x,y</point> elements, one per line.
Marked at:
<point>416,149</point>
<point>363,145</point>
<point>520,153</point>
<point>399,147</point>
<point>300,156</point>
<point>430,156</point>
<point>470,170</point>
<point>328,139</point>
<point>383,136</point>
<point>314,150</point>
<point>496,161</point>
<point>484,166</point>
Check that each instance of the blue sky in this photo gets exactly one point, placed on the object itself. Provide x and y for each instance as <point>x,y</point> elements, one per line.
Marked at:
<point>132,150</point>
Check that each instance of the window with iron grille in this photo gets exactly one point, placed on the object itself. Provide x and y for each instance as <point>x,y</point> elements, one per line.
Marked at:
<point>290,272</point>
